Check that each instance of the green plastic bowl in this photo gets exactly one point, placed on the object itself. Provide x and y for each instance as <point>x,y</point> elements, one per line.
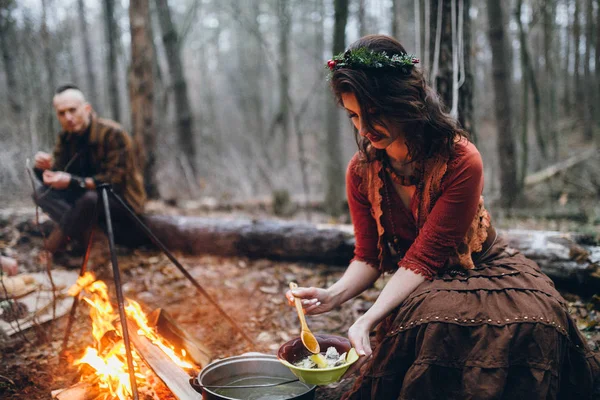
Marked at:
<point>294,351</point>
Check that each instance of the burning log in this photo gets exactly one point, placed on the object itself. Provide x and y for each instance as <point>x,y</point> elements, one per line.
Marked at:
<point>173,334</point>
<point>173,376</point>
<point>564,257</point>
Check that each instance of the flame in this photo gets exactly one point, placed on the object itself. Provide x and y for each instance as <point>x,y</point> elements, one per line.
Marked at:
<point>110,365</point>
<point>111,370</point>
<point>83,281</point>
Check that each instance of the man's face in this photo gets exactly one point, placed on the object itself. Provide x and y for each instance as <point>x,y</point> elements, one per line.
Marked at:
<point>72,111</point>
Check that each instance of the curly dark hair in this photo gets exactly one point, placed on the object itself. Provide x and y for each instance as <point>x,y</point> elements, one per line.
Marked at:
<point>397,100</point>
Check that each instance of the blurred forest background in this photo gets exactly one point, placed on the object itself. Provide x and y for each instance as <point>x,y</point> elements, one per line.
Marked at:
<point>228,100</point>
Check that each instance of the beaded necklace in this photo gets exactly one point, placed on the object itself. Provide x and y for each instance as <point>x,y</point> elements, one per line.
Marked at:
<point>410,180</point>
<point>413,180</point>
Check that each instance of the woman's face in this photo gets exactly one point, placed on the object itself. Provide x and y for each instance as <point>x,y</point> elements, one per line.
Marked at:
<point>382,139</point>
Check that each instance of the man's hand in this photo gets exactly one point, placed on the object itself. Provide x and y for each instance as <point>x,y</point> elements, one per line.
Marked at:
<point>56,179</point>
<point>43,160</point>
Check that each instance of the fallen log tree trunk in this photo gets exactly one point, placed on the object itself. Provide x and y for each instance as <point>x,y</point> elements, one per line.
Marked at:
<point>554,169</point>
<point>293,241</point>
<point>562,256</point>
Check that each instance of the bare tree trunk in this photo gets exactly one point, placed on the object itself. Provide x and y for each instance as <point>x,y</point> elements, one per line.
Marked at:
<point>31,85</point>
<point>210,113</point>
<point>254,57</point>
<point>50,74</point>
<point>524,133</point>
<point>525,100</point>
<point>395,28</point>
<point>597,62</point>
<point>466,115</point>
<point>529,76</point>
<point>48,57</point>
<point>91,88</point>
<point>567,102</point>
<point>319,51</point>
<point>162,97</point>
<point>443,77</point>
<point>185,120</point>
<point>450,69</point>
<point>7,51</point>
<point>576,44</point>
<point>537,106</point>
<point>112,34</point>
<point>335,169</point>
<point>361,16</point>
<point>283,115</point>
<point>549,10</point>
<point>73,68</point>
<point>141,89</point>
<point>418,36</point>
<point>502,83</point>
<point>588,107</point>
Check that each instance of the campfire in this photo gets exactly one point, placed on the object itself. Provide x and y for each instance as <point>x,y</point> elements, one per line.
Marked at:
<point>104,364</point>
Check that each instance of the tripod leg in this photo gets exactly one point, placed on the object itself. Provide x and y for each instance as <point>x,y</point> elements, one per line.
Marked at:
<point>189,277</point>
<point>119,290</point>
<point>81,272</point>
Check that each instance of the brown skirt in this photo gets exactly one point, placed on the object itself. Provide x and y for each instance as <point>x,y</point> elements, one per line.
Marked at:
<point>499,331</point>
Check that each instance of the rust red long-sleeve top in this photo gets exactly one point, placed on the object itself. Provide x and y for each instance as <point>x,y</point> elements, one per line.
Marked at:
<point>446,224</point>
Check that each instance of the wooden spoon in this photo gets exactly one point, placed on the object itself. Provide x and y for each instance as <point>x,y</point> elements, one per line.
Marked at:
<point>308,339</point>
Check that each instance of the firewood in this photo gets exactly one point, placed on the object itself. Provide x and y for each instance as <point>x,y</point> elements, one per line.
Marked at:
<point>172,333</point>
<point>79,391</point>
<point>174,377</point>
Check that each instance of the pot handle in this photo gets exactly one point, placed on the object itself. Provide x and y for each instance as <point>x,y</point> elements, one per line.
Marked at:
<point>195,385</point>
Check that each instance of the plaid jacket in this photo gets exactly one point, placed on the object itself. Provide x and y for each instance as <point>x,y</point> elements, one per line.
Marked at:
<point>112,155</point>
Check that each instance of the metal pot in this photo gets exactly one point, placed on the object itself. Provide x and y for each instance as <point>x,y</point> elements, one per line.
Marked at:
<point>251,373</point>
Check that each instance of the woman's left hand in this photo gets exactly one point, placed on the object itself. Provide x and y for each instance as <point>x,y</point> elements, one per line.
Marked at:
<point>359,337</point>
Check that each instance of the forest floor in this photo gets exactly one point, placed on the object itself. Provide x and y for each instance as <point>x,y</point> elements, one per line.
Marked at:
<point>250,290</point>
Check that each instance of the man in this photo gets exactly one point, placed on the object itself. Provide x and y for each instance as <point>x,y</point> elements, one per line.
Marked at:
<point>89,151</point>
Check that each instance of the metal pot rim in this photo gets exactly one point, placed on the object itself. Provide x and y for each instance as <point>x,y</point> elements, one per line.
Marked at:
<point>220,363</point>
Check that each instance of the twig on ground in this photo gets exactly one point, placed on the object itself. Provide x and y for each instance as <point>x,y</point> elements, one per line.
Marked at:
<point>8,380</point>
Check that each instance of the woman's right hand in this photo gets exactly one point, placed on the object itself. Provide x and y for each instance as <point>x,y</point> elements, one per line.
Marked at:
<point>314,300</point>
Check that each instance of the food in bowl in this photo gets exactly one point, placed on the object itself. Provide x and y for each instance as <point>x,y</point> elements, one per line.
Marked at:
<point>332,358</point>
<point>293,352</point>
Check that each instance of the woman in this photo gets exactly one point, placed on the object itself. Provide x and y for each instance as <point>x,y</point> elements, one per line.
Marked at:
<point>463,316</point>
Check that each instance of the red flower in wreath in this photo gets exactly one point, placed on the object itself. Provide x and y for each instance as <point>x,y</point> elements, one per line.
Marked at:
<point>331,64</point>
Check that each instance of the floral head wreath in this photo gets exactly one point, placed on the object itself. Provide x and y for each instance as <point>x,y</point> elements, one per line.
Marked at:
<point>363,58</point>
